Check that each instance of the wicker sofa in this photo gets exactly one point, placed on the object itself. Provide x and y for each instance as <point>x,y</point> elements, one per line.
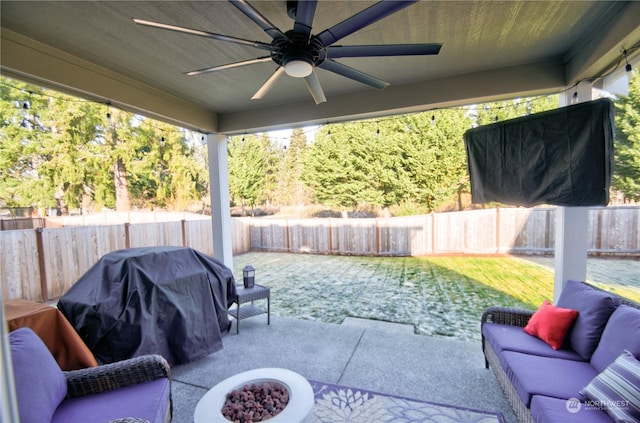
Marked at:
<point>565,385</point>
<point>130,391</point>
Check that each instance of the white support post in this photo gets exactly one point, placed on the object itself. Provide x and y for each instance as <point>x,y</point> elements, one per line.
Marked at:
<point>572,223</point>
<point>220,206</point>
<point>571,247</point>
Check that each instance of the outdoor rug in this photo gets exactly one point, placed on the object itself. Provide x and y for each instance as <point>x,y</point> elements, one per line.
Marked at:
<point>342,404</point>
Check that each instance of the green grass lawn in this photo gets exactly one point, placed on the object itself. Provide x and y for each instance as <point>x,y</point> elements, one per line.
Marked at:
<point>442,296</point>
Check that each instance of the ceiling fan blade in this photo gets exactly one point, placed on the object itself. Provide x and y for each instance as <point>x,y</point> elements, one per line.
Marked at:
<point>360,20</point>
<point>335,52</point>
<point>305,12</point>
<point>229,66</point>
<point>258,18</point>
<point>267,85</point>
<point>219,37</point>
<point>313,83</point>
<point>354,74</point>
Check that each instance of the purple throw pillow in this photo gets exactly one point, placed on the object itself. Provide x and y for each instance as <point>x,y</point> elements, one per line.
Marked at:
<point>594,309</point>
<point>40,384</point>
<point>621,333</point>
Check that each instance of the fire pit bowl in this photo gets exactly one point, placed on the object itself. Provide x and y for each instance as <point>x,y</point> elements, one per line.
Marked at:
<point>298,410</point>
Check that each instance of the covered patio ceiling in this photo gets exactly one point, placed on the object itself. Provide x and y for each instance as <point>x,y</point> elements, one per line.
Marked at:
<point>491,50</point>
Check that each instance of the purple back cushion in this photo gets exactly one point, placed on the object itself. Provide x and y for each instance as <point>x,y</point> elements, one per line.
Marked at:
<point>621,333</point>
<point>594,309</point>
<point>40,384</point>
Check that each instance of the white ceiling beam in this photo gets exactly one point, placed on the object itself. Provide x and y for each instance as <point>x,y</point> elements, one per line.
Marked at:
<point>598,54</point>
<point>531,79</point>
<point>29,60</point>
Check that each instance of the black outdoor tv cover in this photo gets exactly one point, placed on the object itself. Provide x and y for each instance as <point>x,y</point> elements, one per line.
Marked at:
<point>560,157</point>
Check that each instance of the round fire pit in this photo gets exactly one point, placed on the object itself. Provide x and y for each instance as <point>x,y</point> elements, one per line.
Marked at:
<point>298,409</point>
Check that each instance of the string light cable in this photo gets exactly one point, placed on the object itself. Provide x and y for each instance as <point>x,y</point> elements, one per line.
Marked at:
<point>624,56</point>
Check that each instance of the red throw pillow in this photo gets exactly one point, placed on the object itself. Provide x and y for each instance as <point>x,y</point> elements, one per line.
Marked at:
<point>551,324</point>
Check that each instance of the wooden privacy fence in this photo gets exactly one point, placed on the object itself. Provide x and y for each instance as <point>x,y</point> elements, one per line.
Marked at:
<point>612,230</point>
<point>42,264</point>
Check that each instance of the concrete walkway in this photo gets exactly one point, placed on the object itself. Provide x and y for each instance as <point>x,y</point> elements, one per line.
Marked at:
<point>610,271</point>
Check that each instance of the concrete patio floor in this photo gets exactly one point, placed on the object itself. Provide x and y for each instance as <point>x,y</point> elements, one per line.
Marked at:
<point>377,356</point>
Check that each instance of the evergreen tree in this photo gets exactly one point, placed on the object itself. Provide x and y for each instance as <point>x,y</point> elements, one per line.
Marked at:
<point>626,177</point>
<point>163,170</point>
<point>290,189</point>
<point>405,160</point>
<point>247,160</point>
<point>434,156</point>
<point>20,109</point>
<point>45,160</point>
<point>340,166</point>
<point>57,151</point>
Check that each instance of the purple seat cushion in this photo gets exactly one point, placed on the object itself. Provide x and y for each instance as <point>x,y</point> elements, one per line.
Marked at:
<point>621,333</point>
<point>594,308</point>
<point>551,377</point>
<point>513,338</point>
<point>40,384</point>
<point>148,401</point>
<point>554,410</point>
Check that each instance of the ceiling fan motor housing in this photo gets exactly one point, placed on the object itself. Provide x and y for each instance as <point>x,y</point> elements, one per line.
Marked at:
<point>297,48</point>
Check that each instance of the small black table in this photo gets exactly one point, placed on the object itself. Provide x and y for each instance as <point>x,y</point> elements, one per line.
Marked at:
<point>245,295</point>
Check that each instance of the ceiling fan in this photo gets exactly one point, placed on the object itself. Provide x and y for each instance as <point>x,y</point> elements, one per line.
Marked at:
<point>298,52</point>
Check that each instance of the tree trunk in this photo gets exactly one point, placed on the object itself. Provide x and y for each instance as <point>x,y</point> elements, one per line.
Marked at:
<point>123,203</point>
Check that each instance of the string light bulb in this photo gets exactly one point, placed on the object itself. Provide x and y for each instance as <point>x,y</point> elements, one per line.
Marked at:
<point>626,60</point>
<point>575,98</point>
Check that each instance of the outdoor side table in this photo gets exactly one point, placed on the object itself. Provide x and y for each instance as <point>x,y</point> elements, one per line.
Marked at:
<point>245,295</point>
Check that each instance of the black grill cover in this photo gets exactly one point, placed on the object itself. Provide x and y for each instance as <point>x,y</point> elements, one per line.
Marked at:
<point>561,157</point>
<point>171,301</point>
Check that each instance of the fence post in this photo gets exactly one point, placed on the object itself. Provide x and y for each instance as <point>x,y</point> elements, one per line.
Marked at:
<point>286,234</point>
<point>42,265</point>
<point>330,233</point>
<point>127,235</point>
<point>433,233</point>
<point>598,230</point>
<point>498,223</point>
<point>184,232</point>
<point>377,239</point>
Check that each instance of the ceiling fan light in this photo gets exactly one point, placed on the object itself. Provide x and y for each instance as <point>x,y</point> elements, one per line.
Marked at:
<point>298,68</point>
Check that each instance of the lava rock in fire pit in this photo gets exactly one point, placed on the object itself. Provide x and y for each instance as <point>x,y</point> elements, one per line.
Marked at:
<point>255,403</point>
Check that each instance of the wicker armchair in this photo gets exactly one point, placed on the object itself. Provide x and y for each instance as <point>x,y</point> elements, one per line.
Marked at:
<point>94,380</point>
<point>136,390</point>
